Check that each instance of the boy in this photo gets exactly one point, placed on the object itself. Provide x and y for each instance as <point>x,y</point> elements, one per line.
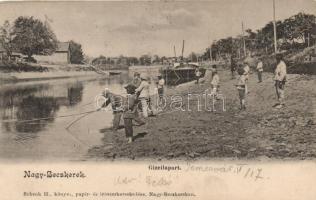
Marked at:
<point>260,70</point>
<point>160,86</point>
<point>280,79</point>
<point>246,73</point>
<point>214,82</point>
<point>130,114</point>
<point>241,87</point>
<point>143,91</point>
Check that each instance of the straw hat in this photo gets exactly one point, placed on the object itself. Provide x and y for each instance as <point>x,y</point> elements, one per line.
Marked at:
<point>143,76</point>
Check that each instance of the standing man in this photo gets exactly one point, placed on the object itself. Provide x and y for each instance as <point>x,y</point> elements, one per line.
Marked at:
<point>197,74</point>
<point>260,70</point>
<point>143,91</point>
<point>130,112</point>
<point>280,79</point>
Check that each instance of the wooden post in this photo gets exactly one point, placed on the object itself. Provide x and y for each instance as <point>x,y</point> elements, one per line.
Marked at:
<point>274,29</point>
<point>244,42</point>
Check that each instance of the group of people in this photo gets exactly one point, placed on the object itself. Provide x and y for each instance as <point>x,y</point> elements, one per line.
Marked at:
<point>138,96</point>
<point>138,93</point>
<point>279,79</point>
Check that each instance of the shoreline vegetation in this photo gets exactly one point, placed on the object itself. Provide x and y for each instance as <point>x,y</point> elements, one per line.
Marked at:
<point>18,72</point>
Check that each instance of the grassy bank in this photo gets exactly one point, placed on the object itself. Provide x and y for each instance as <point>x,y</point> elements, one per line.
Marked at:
<point>260,133</point>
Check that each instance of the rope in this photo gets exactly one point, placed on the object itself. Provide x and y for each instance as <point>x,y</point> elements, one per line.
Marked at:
<point>46,118</point>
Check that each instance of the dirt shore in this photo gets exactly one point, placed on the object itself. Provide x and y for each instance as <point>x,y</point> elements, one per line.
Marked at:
<point>259,133</point>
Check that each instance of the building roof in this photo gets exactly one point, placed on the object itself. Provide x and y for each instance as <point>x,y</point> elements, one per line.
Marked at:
<point>62,47</point>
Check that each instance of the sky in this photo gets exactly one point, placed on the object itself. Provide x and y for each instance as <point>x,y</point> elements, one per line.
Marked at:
<point>136,28</point>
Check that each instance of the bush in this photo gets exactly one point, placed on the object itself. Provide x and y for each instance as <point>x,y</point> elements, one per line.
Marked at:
<point>9,66</point>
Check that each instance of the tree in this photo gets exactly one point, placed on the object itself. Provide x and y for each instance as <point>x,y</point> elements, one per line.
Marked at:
<point>145,60</point>
<point>76,54</point>
<point>6,37</point>
<point>33,37</point>
<point>193,57</point>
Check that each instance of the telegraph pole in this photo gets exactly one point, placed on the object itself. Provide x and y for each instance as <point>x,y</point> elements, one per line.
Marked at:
<point>243,38</point>
<point>211,59</point>
<point>274,29</point>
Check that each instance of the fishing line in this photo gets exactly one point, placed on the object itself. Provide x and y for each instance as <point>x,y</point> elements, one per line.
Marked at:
<point>46,118</point>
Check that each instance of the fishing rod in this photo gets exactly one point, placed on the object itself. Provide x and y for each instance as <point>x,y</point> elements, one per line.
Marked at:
<point>46,118</point>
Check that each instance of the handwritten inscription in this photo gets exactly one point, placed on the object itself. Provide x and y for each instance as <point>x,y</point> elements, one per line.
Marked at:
<point>152,181</point>
<point>245,170</point>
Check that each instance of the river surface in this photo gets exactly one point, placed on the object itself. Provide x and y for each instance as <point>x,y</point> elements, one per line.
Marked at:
<point>49,139</point>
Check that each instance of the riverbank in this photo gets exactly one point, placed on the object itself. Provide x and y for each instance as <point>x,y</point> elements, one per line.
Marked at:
<point>259,133</point>
<point>14,77</point>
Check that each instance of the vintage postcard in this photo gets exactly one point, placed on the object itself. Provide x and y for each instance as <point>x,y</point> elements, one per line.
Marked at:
<point>158,100</point>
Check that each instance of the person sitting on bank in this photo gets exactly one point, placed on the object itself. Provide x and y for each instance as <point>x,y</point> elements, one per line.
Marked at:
<point>280,79</point>
<point>130,112</point>
<point>143,94</point>
<point>116,102</point>
<point>260,70</point>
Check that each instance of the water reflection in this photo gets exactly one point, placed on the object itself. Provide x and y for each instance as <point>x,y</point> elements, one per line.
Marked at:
<point>75,94</point>
<point>49,99</point>
<point>40,101</point>
<point>33,107</point>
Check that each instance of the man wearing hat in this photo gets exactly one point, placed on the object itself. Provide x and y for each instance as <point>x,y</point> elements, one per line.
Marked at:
<point>280,79</point>
<point>130,112</point>
<point>136,81</point>
<point>143,91</point>
<point>116,102</point>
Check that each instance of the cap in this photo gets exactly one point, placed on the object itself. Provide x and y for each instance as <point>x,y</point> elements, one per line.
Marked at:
<point>143,76</point>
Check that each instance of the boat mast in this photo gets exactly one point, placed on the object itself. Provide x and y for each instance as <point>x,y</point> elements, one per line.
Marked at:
<point>175,54</point>
<point>182,50</point>
<point>243,38</point>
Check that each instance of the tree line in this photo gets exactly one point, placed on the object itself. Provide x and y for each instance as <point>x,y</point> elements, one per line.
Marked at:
<point>293,34</point>
<point>31,36</point>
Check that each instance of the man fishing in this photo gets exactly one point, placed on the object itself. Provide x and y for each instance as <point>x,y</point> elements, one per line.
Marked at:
<point>116,102</point>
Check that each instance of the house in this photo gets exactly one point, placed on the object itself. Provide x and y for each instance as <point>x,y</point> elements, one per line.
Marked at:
<point>60,56</point>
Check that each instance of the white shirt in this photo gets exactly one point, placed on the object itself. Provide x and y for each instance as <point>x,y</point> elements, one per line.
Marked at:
<point>260,66</point>
<point>246,69</point>
<point>197,72</point>
<point>280,71</point>
<point>161,83</point>
<point>215,80</point>
<point>143,89</point>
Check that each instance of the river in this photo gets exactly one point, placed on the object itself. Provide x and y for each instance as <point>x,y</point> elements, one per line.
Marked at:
<point>49,139</point>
